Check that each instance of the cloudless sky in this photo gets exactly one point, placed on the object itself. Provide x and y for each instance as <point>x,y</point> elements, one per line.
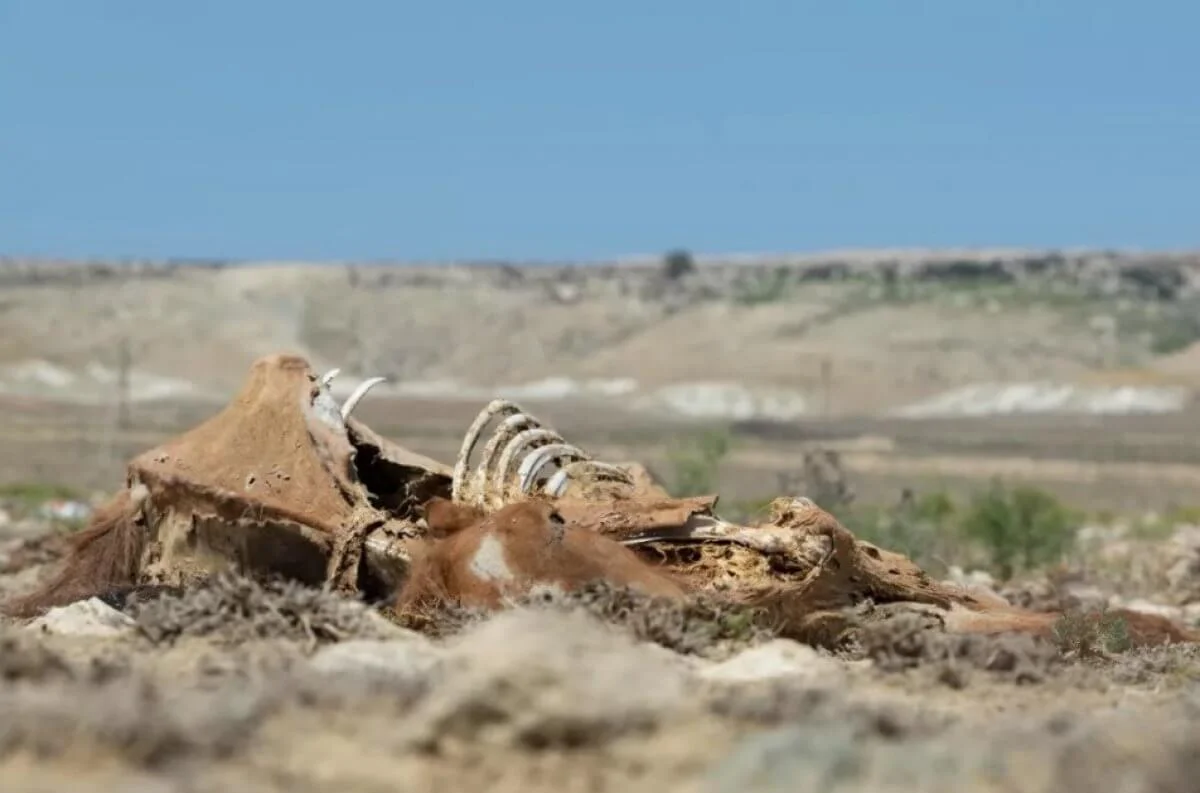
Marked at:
<point>545,129</point>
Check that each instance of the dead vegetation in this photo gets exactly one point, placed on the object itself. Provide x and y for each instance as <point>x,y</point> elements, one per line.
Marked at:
<point>234,610</point>
<point>906,641</point>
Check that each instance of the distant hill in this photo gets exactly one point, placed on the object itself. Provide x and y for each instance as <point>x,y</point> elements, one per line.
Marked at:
<point>839,333</point>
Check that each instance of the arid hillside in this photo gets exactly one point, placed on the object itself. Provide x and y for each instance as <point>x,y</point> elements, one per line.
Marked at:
<point>841,334</point>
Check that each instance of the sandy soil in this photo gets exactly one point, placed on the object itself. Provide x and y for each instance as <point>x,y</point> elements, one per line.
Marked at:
<point>239,686</point>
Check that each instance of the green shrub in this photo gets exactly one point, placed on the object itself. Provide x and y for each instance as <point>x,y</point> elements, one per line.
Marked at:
<point>764,289</point>
<point>1021,527</point>
<point>696,460</point>
<point>922,528</point>
<point>1088,635</point>
<point>678,263</point>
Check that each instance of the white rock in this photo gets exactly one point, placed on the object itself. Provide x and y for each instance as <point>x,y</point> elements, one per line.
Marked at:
<point>91,617</point>
<point>1146,607</point>
<point>409,659</point>
<point>1191,614</point>
<point>971,580</point>
<point>780,658</point>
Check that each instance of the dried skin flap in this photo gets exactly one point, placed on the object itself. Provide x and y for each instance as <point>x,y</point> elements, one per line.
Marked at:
<point>270,450</point>
<point>267,485</point>
<point>624,519</point>
<point>803,566</point>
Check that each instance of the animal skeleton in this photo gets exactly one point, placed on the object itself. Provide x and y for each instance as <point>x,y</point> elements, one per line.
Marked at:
<point>283,481</point>
<point>496,481</point>
<point>518,436</point>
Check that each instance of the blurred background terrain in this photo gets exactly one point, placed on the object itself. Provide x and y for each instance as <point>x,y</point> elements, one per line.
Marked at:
<point>939,369</point>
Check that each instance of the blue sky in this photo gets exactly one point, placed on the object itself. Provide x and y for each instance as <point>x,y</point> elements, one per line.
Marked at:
<point>539,129</point>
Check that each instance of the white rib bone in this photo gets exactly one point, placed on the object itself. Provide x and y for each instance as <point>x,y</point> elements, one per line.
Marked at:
<point>517,445</point>
<point>557,484</point>
<point>583,470</point>
<point>493,408</point>
<point>356,396</point>
<point>328,377</point>
<point>537,459</point>
<point>505,432</point>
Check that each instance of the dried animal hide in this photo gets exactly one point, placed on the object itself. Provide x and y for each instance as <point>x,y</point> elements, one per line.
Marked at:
<point>808,572</point>
<point>277,483</point>
<point>484,561</point>
<point>282,482</point>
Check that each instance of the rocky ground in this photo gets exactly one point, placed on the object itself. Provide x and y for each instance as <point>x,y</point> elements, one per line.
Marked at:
<point>242,686</point>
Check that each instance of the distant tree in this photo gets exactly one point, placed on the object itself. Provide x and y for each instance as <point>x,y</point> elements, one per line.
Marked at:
<point>678,263</point>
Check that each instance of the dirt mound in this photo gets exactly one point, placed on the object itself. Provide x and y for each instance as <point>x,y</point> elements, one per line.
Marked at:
<point>699,625</point>
<point>234,609</point>
<point>138,722</point>
<point>23,658</point>
<point>515,680</point>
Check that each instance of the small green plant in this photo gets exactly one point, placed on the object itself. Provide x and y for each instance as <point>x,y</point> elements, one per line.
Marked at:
<point>35,492</point>
<point>765,289</point>
<point>923,528</point>
<point>1091,634</point>
<point>697,460</point>
<point>1021,528</point>
<point>1175,333</point>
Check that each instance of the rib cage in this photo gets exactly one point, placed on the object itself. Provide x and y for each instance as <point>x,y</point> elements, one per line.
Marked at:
<point>514,458</point>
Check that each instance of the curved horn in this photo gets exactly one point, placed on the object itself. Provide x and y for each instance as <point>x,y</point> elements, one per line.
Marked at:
<point>360,392</point>
<point>328,377</point>
<point>493,408</point>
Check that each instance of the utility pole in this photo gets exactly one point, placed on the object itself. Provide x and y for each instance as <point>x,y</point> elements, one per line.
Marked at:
<point>826,386</point>
<point>124,364</point>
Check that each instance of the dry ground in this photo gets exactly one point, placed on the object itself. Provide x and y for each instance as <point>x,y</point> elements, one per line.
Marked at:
<point>1126,464</point>
<point>238,686</point>
<point>245,689</point>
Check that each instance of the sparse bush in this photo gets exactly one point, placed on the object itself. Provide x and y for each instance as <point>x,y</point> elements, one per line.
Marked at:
<point>764,289</point>
<point>1021,528</point>
<point>677,264</point>
<point>923,528</point>
<point>697,461</point>
<point>235,609</point>
<point>1091,634</point>
<point>1174,330</point>
<point>700,625</point>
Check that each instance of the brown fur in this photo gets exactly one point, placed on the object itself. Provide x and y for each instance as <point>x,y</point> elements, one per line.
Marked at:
<point>103,557</point>
<point>443,517</point>
<point>533,547</point>
<point>1150,629</point>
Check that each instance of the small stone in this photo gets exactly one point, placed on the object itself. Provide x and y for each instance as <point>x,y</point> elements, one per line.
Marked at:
<point>91,617</point>
<point>407,660</point>
<point>780,658</point>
